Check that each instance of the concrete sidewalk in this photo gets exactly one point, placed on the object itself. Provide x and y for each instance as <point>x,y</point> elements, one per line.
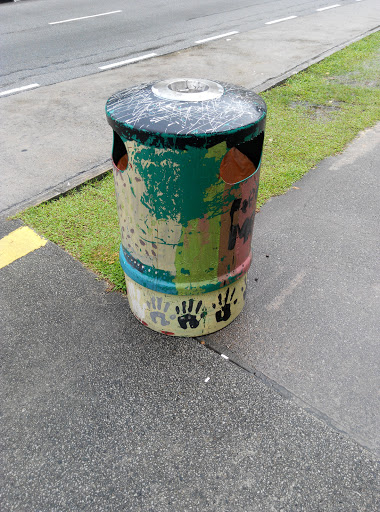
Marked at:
<point>312,319</point>
<point>100,413</point>
<point>56,137</point>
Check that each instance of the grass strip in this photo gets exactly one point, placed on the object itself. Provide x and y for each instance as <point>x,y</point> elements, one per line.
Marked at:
<point>311,116</point>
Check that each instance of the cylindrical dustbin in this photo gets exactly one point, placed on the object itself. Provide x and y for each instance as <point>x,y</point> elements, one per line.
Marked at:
<point>186,158</point>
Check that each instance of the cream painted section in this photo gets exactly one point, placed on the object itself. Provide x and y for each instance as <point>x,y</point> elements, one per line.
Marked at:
<point>135,298</point>
<point>152,242</point>
<point>187,315</point>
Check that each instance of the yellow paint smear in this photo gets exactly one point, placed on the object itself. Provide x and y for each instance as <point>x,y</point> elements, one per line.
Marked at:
<point>17,244</point>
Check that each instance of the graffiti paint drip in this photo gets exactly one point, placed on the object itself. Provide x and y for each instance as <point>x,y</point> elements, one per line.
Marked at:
<point>245,230</point>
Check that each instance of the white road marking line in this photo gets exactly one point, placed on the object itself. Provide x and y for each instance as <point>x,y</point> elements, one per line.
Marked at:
<point>129,61</point>
<point>328,7</point>
<point>208,378</point>
<point>83,17</point>
<point>224,356</point>
<point>200,41</point>
<point>281,19</point>
<point>18,89</point>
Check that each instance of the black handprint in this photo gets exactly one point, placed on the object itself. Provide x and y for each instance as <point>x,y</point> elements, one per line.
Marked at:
<point>225,312</point>
<point>187,318</point>
<point>245,230</point>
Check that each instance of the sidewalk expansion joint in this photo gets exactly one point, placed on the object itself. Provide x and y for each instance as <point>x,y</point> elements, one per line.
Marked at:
<point>289,395</point>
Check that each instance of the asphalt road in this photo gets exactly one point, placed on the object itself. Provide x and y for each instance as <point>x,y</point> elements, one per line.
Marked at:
<point>43,42</point>
<point>69,115</point>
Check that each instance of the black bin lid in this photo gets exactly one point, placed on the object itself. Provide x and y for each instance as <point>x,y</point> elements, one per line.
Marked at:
<point>184,112</point>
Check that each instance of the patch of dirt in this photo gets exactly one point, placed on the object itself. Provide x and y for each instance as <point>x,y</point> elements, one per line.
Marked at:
<point>350,79</point>
<point>317,111</point>
<point>368,76</point>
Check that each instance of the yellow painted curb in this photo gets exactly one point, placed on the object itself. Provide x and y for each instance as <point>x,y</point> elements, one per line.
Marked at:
<point>17,244</point>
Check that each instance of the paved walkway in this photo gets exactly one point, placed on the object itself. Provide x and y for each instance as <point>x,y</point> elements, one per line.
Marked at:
<point>100,413</point>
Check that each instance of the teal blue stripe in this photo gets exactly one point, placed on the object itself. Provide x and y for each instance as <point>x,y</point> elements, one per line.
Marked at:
<point>149,277</point>
<point>163,281</point>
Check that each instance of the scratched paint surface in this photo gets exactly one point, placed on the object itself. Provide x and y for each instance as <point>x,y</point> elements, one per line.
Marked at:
<point>186,232</point>
<point>193,241</point>
<point>137,114</point>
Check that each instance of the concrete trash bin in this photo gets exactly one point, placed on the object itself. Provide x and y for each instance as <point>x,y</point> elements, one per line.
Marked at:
<point>186,159</point>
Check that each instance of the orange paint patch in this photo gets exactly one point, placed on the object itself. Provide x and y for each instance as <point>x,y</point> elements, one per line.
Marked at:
<point>236,167</point>
<point>122,164</point>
